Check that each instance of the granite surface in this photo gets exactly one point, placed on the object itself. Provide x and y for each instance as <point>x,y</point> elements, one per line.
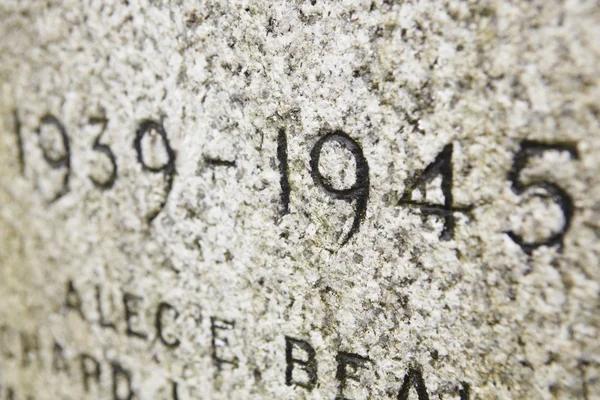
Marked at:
<point>299,199</point>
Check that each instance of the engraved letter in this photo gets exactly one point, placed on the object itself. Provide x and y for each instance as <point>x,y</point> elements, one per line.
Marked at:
<point>73,299</point>
<point>121,383</point>
<point>308,365</point>
<point>59,362</point>
<point>90,369</point>
<point>164,310</point>
<point>342,374</point>
<point>30,343</point>
<point>101,317</point>
<point>131,303</point>
<point>414,378</point>
<point>216,325</point>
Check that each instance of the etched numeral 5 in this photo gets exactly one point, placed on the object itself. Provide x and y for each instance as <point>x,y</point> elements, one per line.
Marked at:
<point>528,150</point>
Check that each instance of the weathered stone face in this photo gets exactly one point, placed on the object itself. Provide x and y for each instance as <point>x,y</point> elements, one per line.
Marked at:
<point>299,200</point>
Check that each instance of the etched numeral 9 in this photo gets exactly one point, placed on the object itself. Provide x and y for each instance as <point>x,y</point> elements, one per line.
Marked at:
<point>56,159</point>
<point>168,168</point>
<point>359,192</point>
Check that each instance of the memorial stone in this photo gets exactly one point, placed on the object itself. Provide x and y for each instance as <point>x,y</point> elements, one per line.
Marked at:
<point>302,199</point>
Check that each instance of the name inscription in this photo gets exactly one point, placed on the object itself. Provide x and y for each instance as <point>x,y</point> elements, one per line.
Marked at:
<point>126,316</point>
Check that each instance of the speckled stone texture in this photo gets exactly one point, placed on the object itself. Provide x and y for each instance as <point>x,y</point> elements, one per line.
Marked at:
<point>164,233</point>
